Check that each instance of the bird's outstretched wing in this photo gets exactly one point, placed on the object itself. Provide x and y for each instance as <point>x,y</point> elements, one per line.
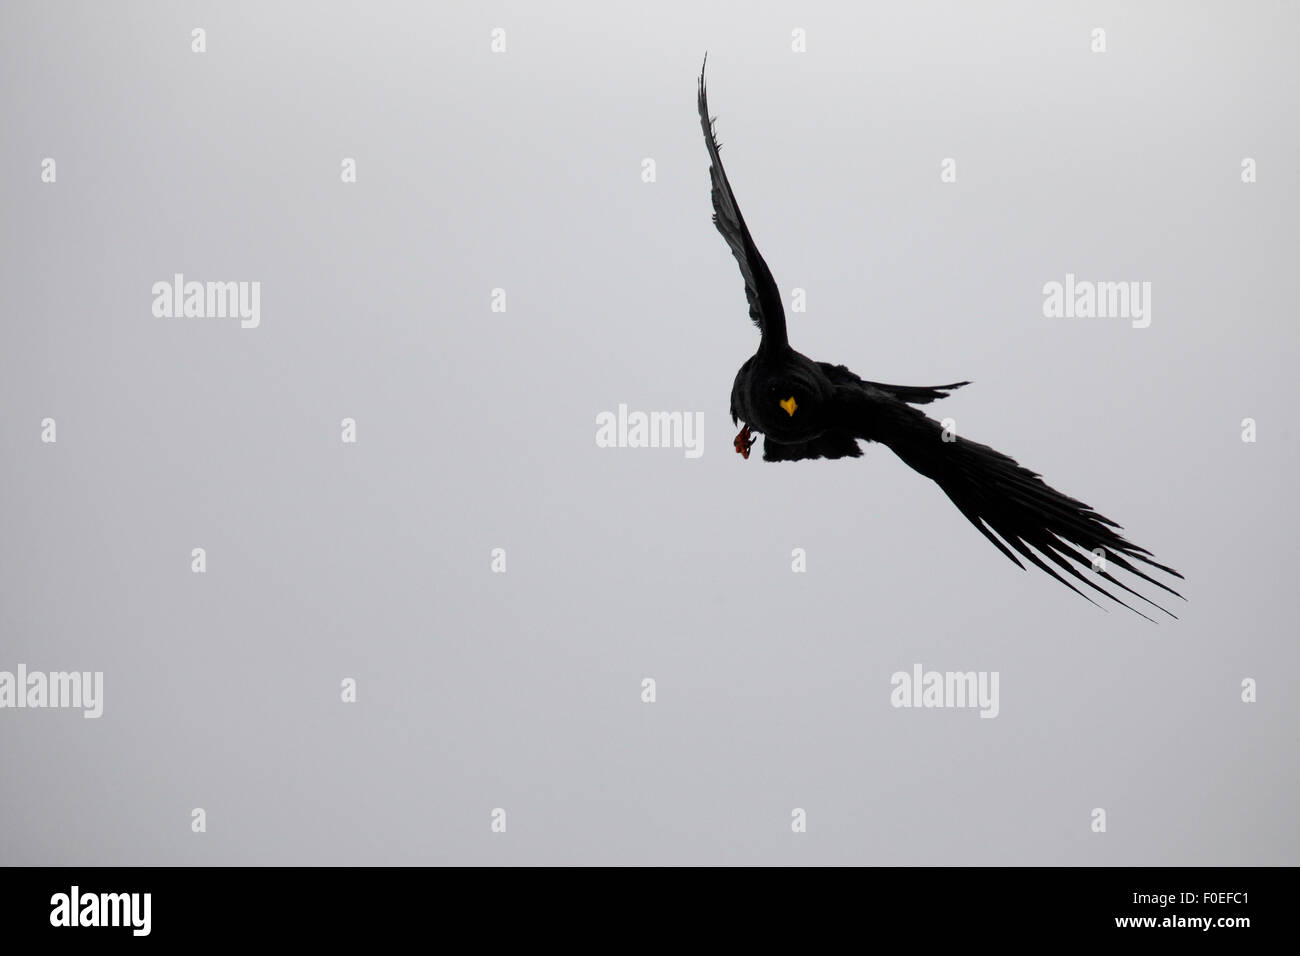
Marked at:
<point>912,394</point>
<point>1001,498</point>
<point>760,288</point>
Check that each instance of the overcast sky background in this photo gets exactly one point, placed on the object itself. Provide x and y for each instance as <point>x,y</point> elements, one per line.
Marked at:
<point>476,430</point>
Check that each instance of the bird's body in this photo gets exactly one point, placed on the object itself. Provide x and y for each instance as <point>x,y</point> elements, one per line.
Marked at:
<point>812,424</point>
<point>807,409</point>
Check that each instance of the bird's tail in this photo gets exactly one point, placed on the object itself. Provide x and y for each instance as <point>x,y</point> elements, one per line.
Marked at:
<point>1006,501</point>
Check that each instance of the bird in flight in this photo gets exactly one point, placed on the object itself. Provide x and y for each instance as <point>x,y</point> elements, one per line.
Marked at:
<point>808,409</point>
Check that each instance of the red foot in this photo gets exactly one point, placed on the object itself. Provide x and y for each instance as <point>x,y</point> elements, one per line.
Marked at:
<point>744,442</point>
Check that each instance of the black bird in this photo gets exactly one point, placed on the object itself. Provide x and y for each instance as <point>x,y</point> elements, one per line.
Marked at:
<point>808,409</point>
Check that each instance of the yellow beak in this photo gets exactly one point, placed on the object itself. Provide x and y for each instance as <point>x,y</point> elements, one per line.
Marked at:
<point>789,406</point>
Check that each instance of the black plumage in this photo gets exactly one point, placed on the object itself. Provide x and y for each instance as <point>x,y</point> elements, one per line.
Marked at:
<point>807,409</point>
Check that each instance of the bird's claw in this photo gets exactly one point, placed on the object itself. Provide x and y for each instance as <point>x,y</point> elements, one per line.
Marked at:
<point>744,442</point>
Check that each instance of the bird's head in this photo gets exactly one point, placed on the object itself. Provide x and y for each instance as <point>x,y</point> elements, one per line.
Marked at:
<point>789,400</point>
<point>792,407</point>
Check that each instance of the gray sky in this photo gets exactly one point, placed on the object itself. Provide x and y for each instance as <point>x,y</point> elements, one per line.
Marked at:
<point>523,171</point>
